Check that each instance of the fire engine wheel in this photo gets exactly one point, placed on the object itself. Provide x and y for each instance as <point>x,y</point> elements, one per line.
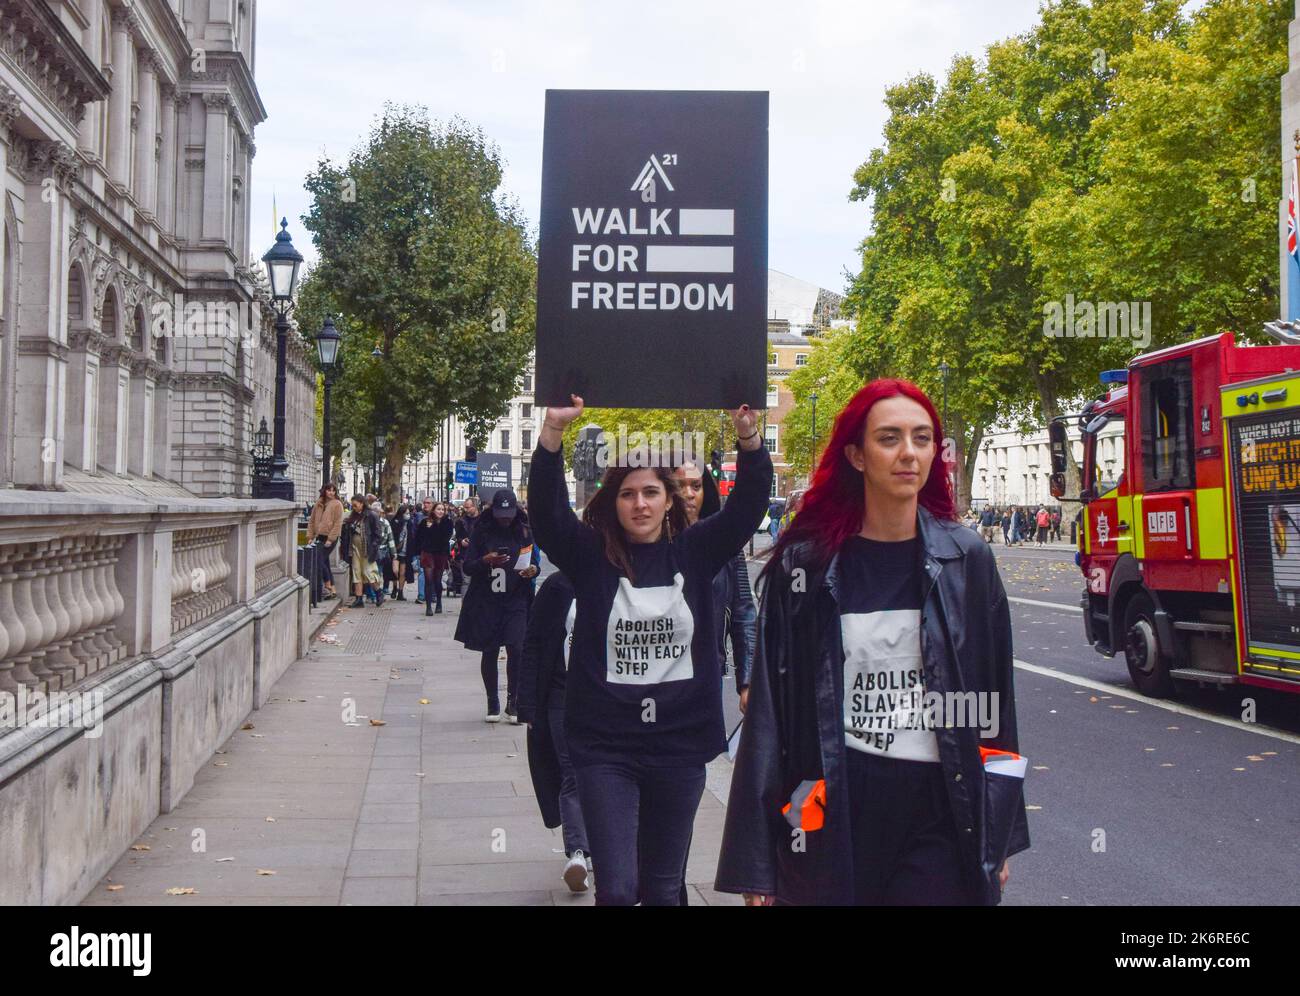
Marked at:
<point>1147,663</point>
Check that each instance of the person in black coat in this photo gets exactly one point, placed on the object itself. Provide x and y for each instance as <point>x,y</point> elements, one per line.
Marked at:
<point>495,613</point>
<point>542,675</point>
<point>464,526</point>
<point>361,537</point>
<point>429,544</point>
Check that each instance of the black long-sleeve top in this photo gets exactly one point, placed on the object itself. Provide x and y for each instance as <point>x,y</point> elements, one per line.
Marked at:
<point>643,679</point>
<point>430,535</point>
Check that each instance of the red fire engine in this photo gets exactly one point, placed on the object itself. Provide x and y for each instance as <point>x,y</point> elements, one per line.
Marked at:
<point>1191,560</point>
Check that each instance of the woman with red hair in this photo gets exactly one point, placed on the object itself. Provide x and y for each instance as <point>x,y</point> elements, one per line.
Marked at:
<point>881,680</point>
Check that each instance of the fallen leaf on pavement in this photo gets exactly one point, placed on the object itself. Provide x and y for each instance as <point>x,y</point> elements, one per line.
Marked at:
<point>247,726</point>
<point>378,722</point>
<point>187,890</point>
<point>424,701</point>
<point>116,888</point>
<point>270,819</point>
<point>265,871</point>
<point>141,847</point>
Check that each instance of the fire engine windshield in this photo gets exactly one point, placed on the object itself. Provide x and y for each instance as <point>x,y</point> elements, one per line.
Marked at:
<point>1103,453</point>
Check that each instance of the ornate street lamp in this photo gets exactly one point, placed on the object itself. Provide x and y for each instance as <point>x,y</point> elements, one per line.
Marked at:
<point>261,454</point>
<point>327,349</point>
<point>282,262</point>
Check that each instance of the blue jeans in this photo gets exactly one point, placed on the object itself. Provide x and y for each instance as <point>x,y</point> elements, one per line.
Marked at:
<point>639,821</point>
<point>575,829</point>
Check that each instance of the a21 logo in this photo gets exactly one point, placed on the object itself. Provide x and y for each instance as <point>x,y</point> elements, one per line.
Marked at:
<point>646,182</point>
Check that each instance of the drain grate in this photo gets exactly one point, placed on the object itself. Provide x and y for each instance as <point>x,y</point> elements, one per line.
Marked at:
<point>369,634</point>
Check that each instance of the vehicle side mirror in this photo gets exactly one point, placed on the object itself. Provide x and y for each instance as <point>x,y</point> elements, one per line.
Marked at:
<point>1057,435</point>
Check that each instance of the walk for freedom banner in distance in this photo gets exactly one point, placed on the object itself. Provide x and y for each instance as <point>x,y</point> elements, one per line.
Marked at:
<point>652,251</point>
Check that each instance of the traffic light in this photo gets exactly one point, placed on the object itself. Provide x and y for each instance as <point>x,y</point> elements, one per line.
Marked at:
<point>715,463</point>
<point>471,453</point>
<point>450,480</point>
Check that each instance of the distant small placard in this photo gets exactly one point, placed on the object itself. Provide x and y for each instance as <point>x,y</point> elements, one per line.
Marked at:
<point>493,474</point>
<point>652,253</point>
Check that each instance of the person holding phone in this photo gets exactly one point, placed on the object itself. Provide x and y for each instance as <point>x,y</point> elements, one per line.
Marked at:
<point>643,696</point>
<point>852,784</point>
<point>495,610</point>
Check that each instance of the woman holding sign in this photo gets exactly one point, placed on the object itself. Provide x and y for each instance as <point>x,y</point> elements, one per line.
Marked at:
<point>858,780</point>
<point>499,564</point>
<point>643,712</point>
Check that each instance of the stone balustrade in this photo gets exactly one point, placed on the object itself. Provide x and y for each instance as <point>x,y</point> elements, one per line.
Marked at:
<point>177,616</point>
<point>59,603</point>
<point>200,569</point>
<point>269,558</point>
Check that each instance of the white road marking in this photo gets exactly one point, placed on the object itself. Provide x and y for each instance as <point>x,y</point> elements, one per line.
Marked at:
<point>1181,710</point>
<point>1046,605</point>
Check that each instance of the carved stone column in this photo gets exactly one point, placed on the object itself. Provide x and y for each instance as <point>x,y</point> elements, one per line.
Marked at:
<point>217,168</point>
<point>146,151</point>
<point>167,164</point>
<point>41,381</point>
<point>125,22</point>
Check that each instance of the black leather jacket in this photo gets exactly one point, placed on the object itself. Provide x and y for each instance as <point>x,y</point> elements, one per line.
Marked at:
<point>794,726</point>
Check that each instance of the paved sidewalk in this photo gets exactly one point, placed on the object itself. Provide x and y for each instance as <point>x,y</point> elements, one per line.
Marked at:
<point>433,807</point>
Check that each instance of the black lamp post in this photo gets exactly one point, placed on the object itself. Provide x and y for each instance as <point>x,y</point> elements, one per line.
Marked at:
<point>327,348</point>
<point>379,449</point>
<point>282,262</point>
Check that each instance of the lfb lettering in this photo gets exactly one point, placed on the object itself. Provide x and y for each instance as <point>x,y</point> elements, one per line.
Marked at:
<point>1162,522</point>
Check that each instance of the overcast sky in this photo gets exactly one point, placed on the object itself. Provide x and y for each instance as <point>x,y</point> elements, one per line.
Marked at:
<point>326,67</point>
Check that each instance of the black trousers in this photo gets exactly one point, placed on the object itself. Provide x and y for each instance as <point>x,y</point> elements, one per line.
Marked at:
<point>488,669</point>
<point>639,820</point>
<point>905,847</point>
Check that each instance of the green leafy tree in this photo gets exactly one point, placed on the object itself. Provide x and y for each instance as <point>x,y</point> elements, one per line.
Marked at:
<point>431,274</point>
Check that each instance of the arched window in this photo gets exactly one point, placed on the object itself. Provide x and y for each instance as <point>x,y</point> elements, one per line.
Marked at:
<point>139,330</point>
<point>108,321</point>
<point>76,296</point>
<point>160,349</point>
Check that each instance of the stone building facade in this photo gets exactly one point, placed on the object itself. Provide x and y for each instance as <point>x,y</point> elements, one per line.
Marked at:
<point>136,358</point>
<point>137,346</point>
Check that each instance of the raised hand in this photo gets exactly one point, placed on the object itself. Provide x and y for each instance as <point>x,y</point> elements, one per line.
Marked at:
<point>745,421</point>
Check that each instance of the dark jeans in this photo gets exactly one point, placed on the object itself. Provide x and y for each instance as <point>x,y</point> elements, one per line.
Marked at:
<point>488,668</point>
<point>575,830</point>
<point>323,553</point>
<point>905,848</point>
<point>639,822</point>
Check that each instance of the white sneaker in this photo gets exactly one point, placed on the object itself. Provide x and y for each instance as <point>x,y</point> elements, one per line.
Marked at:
<point>575,872</point>
<point>511,717</point>
<point>492,717</point>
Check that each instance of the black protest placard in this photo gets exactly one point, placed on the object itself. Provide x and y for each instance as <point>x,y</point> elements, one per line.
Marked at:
<point>652,253</point>
<point>493,474</point>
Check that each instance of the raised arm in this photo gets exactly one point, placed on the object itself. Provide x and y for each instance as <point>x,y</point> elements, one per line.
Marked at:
<point>565,540</point>
<point>720,537</point>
